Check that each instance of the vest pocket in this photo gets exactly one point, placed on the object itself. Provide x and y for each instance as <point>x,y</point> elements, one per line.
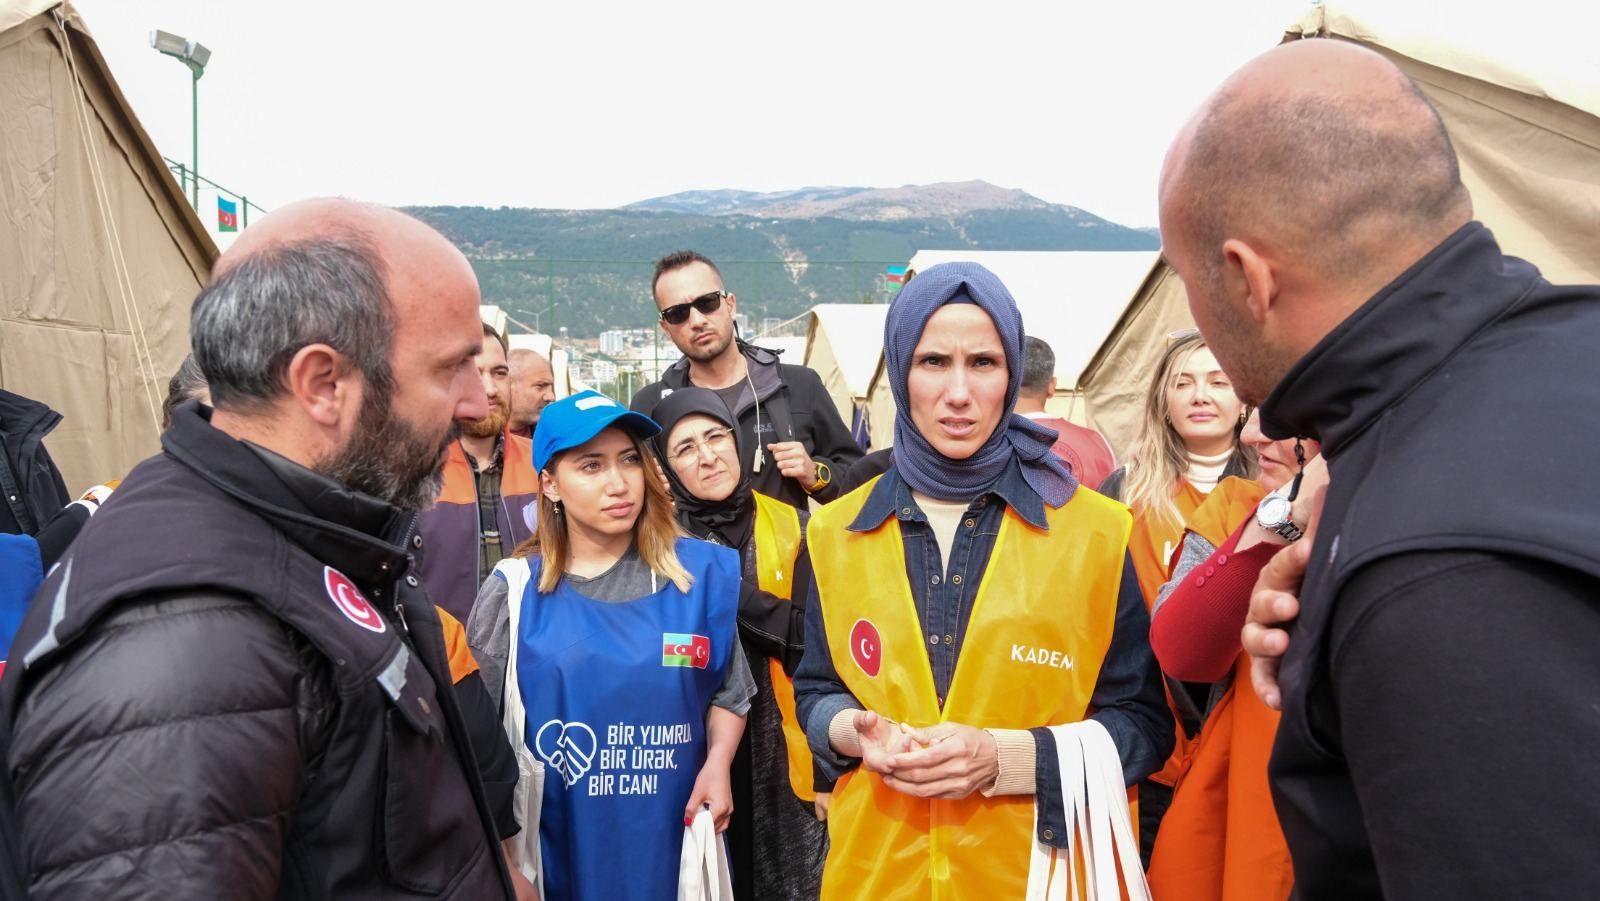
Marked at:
<point>431,833</point>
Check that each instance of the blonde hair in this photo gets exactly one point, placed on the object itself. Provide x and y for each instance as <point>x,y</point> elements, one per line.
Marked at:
<point>1158,458</point>
<point>655,532</point>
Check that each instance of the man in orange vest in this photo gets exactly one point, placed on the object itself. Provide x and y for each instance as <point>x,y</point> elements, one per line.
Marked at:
<point>489,495</point>
<point>965,604</point>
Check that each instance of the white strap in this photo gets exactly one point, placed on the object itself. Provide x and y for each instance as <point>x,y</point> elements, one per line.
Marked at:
<point>516,573</point>
<point>1099,827</point>
<point>528,797</point>
<point>703,873</point>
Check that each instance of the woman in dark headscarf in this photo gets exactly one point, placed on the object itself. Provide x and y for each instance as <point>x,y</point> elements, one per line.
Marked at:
<point>776,843</point>
<point>973,613</point>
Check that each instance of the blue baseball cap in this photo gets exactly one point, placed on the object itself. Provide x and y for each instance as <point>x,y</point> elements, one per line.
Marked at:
<point>573,420</point>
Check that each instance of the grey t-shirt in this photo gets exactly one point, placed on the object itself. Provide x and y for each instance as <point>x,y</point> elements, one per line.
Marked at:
<point>489,627</point>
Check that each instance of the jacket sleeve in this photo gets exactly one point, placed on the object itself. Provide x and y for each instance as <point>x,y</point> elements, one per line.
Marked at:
<point>497,765</point>
<point>163,755</point>
<point>775,626</point>
<point>831,441</point>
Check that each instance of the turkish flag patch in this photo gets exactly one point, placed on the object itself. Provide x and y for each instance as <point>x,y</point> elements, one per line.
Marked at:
<point>866,648</point>
<point>347,597</point>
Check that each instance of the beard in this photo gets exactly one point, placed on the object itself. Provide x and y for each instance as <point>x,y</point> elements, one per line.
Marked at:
<point>390,459</point>
<point>711,352</point>
<point>487,427</point>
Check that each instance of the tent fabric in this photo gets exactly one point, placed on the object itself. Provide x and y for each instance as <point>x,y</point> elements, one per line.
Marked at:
<point>1115,381</point>
<point>100,254</point>
<point>844,343</point>
<point>1523,114</point>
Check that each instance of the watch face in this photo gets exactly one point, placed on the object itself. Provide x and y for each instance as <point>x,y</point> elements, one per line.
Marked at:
<point>1273,512</point>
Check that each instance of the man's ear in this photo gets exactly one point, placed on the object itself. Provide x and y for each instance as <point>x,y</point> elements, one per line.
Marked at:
<point>1248,277</point>
<point>324,383</point>
<point>1050,390</point>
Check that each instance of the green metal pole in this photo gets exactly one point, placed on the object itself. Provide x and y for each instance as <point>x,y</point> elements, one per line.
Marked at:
<point>244,207</point>
<point>194,107</point>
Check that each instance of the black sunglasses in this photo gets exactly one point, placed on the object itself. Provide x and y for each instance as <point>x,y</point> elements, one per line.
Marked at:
<point>678,313</point>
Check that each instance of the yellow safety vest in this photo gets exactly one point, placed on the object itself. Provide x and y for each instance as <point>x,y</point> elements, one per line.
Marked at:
<point>1037,635</point>
<point>777,538</point>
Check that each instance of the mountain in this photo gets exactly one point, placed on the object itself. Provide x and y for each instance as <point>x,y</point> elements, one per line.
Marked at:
<point>779,252</point>
<point>937,201</point>
<point>713,203</point>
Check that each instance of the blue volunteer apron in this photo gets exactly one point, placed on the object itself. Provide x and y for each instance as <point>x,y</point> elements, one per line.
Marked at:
<point>617,696</point>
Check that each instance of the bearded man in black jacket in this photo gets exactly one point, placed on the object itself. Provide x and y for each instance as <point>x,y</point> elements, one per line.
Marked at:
<point>233,685</point>
<point>1438,692</point>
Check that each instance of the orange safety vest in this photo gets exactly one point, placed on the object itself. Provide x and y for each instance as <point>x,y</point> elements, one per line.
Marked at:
<point>1220,840</point>
<point>1151,547</point>
<point>1038,633</point>
<point>777,538</point>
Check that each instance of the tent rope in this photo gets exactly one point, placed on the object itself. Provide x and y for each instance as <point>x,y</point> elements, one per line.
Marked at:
<point>143,358</point>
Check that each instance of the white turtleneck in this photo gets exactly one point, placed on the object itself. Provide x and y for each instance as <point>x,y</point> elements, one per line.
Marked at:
<point>1204,471</point>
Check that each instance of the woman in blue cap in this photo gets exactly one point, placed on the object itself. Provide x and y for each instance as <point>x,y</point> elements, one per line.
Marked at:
<point>973,613</point>
<point>619,637</point>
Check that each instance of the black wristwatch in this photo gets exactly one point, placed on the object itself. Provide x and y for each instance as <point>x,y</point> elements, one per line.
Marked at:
<point>1273,514</point>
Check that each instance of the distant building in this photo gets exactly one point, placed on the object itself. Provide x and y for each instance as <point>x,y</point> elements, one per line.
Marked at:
<point>614,342</point>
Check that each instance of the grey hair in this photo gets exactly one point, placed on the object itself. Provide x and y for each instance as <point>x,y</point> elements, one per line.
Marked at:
<point>1038,365</point>
<point>247,325</point>
<point>186,384</point>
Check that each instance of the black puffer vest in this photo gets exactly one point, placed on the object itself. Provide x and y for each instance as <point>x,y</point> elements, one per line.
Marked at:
<point>391,805</point>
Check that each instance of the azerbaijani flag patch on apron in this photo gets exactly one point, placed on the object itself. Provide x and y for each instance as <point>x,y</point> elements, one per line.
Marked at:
<point>684,649</point>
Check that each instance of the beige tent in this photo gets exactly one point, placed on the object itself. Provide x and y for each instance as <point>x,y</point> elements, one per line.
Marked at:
<point>1519,91</point>
<point>1070,299</point>
<point>100,254</point>
<point>844,342</point>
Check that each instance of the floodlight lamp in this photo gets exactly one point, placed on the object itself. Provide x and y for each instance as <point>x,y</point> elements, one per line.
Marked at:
<point>169,43</point>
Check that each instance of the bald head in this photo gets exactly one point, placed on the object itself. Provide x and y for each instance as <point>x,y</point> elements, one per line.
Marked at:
<point>1327,161</point>
<point>532,387</point>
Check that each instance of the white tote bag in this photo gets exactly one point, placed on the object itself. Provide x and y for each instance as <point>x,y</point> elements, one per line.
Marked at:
<point>703,873</point>
<point>529,798</point>
<point>1098,824</point>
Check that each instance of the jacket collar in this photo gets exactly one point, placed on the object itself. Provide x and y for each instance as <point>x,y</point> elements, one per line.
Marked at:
<point>891,496</point>
<point>1397,339</point>
<point>761,362</point>
<point>357,534</point>
<point>21,416</point>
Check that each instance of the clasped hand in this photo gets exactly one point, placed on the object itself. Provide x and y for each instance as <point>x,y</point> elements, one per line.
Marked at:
<point>948,761</point>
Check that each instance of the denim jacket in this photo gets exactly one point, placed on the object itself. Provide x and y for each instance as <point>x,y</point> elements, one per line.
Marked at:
<point>1128,697</point>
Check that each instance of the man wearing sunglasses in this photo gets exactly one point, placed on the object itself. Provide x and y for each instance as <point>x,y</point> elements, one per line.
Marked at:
<point>794,444</point>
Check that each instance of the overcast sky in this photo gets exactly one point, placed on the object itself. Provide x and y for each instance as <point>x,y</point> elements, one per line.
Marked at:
<point>598,104</point>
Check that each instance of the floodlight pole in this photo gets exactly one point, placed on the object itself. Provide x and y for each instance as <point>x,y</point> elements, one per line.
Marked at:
<point>194,55</point>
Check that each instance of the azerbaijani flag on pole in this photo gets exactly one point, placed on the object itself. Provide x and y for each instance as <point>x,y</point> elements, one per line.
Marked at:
<point>894,277</point>
<point>227,215</point>
<point>684,649</point>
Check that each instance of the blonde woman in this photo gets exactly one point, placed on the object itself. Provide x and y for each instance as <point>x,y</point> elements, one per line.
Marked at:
<point>1189,443</point>
<point>624,654</point>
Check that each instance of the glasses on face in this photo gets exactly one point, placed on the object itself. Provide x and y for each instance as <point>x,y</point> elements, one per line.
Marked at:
<point>678,313</point>
<point>718,441</point>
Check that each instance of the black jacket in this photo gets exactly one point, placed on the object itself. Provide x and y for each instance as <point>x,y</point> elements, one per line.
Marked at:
<point>203,703</point>
<point>791,405</point>
<point>1456,411</point>
<point>31,489</point>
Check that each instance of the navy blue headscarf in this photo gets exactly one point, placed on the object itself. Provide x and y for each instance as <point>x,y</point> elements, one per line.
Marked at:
<point>924,468</point>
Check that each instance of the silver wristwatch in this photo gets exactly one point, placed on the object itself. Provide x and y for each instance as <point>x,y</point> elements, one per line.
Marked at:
<point>1272,514</point>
